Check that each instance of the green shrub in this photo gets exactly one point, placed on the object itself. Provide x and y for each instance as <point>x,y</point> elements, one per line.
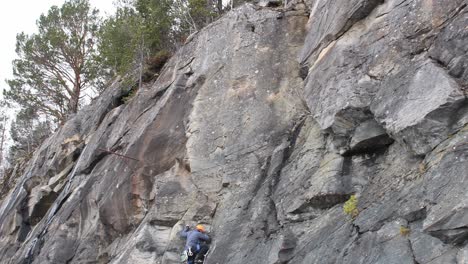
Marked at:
<point>350,207</point>
<point>156,62</point>
<point>129,96</point>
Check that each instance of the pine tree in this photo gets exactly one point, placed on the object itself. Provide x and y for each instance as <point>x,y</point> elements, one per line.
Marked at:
<point>57,64</point>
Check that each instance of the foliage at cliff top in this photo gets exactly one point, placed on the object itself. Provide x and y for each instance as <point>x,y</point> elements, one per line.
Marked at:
<point>57,64</point>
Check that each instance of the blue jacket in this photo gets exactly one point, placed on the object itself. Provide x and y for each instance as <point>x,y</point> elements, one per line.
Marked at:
<point>194,238</point>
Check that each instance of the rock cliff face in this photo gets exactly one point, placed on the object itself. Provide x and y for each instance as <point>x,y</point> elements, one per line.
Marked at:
<point>261,127</point>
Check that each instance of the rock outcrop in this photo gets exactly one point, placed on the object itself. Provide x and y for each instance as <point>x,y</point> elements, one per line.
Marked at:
<point>261,127</point>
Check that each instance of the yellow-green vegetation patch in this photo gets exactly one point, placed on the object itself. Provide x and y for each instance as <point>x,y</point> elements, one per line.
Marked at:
<point>404,231</point>
<point>350,207</point>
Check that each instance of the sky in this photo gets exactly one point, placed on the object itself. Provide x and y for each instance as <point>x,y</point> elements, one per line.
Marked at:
<point>20,16</point>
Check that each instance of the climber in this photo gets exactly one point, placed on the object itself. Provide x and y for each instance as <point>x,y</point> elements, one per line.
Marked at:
<point>196,246</point>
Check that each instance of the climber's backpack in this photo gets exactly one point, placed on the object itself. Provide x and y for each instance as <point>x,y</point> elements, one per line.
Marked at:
<point>184,256</point>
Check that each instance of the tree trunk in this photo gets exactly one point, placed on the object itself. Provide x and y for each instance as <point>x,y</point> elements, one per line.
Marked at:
<point>141,61</point>
<point>220,6</point>
<point>2,142</point>
<point>208,7</point>
<point>75,97</point>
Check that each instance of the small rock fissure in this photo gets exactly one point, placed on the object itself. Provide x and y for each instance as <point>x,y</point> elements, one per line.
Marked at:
<point>446,69</point>
<point>410,245</point>
<point>401,4</point>
<point>370,147</point>
<point>157,96</point>
<point>322,202</point>
<point>292,139</point>
<point>166,223</point>
<point>98,158</point>
<point>457,12</point>
<point>262,178</point>
<point>417,215</point>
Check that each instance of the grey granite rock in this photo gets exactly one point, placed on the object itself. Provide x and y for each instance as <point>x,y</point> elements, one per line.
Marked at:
<point>264,148</point>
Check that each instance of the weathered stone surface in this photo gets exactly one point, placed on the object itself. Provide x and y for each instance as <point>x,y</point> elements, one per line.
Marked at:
<point>422,110</point>
<point>263,149</point>
<point>329,20</point>
<point>398,82</point>
<point>384,246</point>
<point>448,217</point>
<point>449,49</point>
<point>427,249</point>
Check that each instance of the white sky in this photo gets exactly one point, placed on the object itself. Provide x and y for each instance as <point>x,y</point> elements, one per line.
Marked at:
<point>21,15</point>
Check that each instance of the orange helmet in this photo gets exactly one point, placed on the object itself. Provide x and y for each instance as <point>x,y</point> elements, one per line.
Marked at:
<point>200,228</point>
